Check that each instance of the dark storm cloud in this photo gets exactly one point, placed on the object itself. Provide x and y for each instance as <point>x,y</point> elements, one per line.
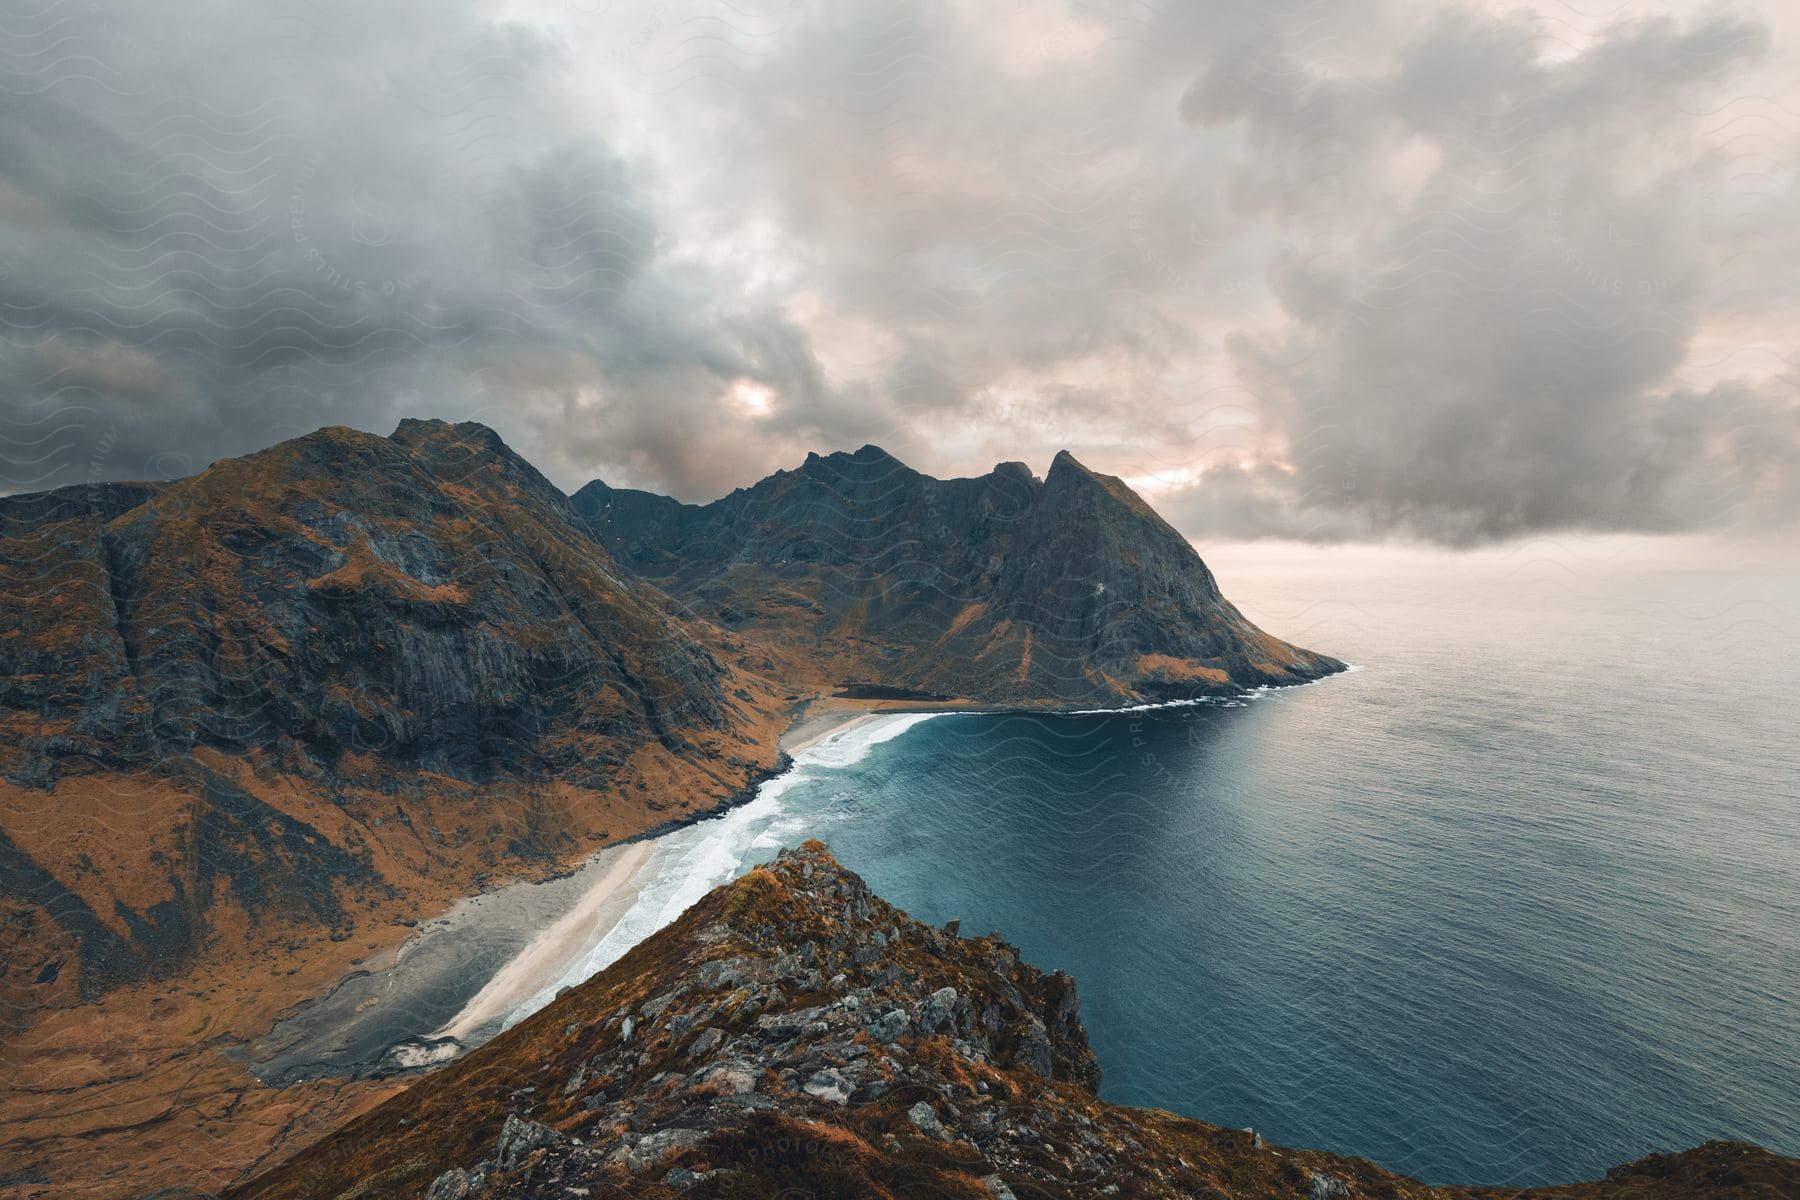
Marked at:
<point>1345,271</point>
<point>222,231</point>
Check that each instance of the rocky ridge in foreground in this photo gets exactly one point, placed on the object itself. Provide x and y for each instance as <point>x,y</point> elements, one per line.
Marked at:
<point>794,1035</point>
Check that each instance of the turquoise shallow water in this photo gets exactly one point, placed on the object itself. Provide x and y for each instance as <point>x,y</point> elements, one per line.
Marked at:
<point>1514,902</point>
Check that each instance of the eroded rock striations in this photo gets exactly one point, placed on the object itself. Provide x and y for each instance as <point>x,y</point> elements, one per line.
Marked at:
<point>1003,588</point>
<point>794,1035</point>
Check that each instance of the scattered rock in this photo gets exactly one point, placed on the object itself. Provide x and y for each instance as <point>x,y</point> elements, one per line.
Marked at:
<point>518,1138</point>
<point>888,1026</point>
<point>779,1027</point>
<point>639,1152</point>
<point>830,1086</point>
<point>925,1117</point>
<point>1035,1050</point>
<point>1325,1187</point>
<point>454,1184</point>
<point>937,1010</point>
<point>732,1078</point>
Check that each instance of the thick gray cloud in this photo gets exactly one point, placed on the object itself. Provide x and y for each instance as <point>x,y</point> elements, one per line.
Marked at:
<point>1344,271</point>
<point>1500,352</point>
<point>228,229</point>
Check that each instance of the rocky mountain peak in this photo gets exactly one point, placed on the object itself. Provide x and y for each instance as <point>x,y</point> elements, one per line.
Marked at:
<point>452,450</point>
<point>451,441</point>
<point>868,463</point>
<point>412,430</point>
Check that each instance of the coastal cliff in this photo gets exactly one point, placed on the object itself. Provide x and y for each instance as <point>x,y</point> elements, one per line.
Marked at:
<point>794,1035</point>
<point>1004,588</point>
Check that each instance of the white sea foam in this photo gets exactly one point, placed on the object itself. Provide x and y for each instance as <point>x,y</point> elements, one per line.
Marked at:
<point>1233,700</point>
<point>1158,706</point>
<point>691,861</point>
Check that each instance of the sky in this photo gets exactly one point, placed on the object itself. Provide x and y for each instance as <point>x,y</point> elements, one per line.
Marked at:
<point>1454,274</point>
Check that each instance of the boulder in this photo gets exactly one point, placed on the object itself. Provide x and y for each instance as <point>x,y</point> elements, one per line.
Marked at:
<point>518,1138</point>
<point>925,1117</point>
<point>830,1086</point>
<point>1325,1187</point>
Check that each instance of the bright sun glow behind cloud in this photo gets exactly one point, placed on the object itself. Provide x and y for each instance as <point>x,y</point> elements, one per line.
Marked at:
<point>751,398</point>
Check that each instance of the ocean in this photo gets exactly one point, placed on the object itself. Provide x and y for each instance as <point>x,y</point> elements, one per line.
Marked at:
<point>1515,900</point>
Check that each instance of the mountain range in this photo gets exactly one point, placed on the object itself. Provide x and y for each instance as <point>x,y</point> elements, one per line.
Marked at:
<point>306,661</point>
<point>256,724</point>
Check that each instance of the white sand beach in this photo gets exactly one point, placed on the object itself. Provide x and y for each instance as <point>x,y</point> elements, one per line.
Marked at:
<point>815,727</point>
<point>549,954</point>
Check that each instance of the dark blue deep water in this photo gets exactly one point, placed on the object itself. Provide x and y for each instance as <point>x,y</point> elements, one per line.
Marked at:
<point>1516,901</point>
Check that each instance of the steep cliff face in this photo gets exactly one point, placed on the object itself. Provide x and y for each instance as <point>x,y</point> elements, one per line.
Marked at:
<point>1004,588</point>
<point>416,633</point>
<point>794,1035</point>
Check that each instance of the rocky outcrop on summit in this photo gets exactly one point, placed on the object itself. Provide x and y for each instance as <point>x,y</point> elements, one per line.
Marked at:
<point>1003,588</point>
<point>794,1035</point>
<point>408,630</point>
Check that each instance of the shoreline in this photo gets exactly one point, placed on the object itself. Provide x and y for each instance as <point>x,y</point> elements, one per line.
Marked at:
<point>603,905</point>
<point>520,940</point>
<point>825,715</point>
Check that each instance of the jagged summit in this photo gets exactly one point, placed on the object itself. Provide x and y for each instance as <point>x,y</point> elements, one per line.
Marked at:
<point>1017,470</point>
<point>413,429</point>
<point>1002,588</point>
<point>792,1034</point>
<point>870,452</point>
<point>470,441</point>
